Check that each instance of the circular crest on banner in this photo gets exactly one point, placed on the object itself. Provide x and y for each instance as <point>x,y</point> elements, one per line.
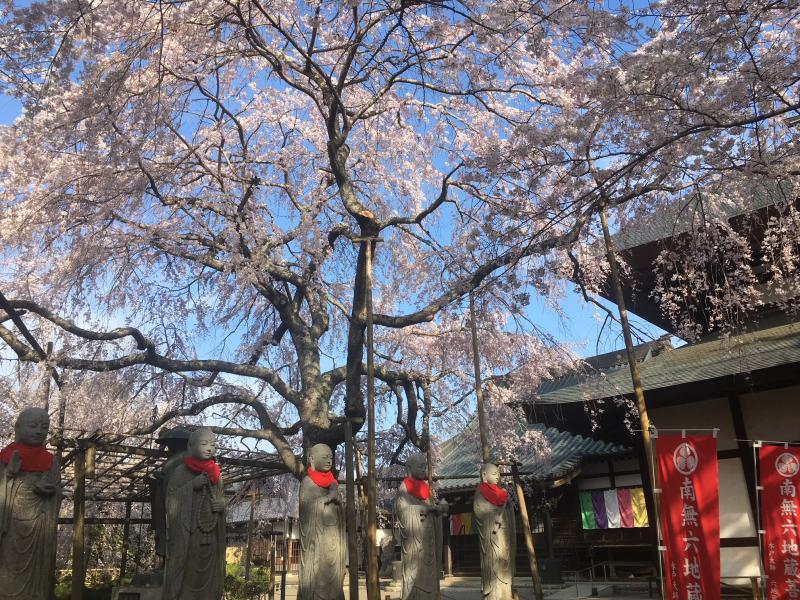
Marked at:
<point>685,458</point>
<point>787,465</point>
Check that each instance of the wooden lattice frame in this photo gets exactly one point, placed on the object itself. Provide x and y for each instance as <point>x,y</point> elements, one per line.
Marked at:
<point>119,467</point>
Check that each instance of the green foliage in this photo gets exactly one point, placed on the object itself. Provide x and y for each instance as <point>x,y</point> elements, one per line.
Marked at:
<point>237,588</point>
<point>99,586</point>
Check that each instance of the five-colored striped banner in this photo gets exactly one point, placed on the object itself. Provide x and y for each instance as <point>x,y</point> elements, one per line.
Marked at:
<point>613,509</point>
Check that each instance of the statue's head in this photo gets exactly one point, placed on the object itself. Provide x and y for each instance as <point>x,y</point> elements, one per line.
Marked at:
<point>320,458</point>
<point>490,473</point>
<point>176,439</point>
<point>32,426</point>
<point>417,466</point>
<point>202,443</point>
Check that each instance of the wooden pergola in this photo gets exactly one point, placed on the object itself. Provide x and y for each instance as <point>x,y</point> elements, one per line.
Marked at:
<point>107,467</point>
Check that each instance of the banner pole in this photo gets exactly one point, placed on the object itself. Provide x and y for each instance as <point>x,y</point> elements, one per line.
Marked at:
<point>762,577</point>
<point>656,513</point>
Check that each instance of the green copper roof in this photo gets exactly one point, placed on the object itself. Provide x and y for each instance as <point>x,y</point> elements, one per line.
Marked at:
<point>710,359</point>
<point>686,215</point>
<point>460,455</point>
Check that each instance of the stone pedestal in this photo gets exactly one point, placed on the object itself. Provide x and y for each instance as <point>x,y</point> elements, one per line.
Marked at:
<point>137,592</point>
<point>397,571</point>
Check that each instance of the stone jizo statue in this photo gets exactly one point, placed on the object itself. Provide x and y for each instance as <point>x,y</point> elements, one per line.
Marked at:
<point>418,527</point>
<point>176,441</point>
<point>494,520</point>
<point>323,547</point>
<point>195,553</point>
<point>30,496</point>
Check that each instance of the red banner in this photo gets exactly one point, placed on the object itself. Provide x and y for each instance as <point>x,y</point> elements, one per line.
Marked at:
<point>779,468</point>
<point>689,506</point>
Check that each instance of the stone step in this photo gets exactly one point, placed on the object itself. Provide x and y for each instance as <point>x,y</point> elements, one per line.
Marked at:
<point>583,589</point>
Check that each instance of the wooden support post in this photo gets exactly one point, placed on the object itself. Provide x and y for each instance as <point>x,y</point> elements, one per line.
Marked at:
<point>447,559</point>
<point>272,563</point>
<point>636,379</point>
<point>350,511</point>
<point>476,363</point>
<point>91,453</point>
<point>285,557</point>
<point>126,534</point>
<point>46,380</point>
<point>649,475</point>
<point>548,533</point>
<point>426,429</point>
<point>373,592</point>
<point>754,587</point>
<point>248,559</point>
<point>78,527</point>
<point>526,529</point>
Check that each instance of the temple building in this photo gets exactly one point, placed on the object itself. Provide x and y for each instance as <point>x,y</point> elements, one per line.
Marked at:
<point>744,384</point>
<point>554,485</point>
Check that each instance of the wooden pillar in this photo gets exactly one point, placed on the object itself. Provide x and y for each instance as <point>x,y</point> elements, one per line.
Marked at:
<point>373,591</point>
<point>476,364</point>
<point>350,511</point>
<point>548,532</point>
<point>746,455</point>
<point>78,527</point>
<point>636,380</point>
<point>249,553</point>
<point>526,529</point>
<point>272,563</point>
<point>285,557</point>
<point>447,559</point>
<point>126,534</point>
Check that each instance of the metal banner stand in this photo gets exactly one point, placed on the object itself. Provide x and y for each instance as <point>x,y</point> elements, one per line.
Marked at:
<point>657,492</point>
<point>757,517</point>
<point>760,532</point>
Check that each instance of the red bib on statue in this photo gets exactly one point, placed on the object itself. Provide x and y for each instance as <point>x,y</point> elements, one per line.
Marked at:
<point>209,467</point>
<point>324,479</point>
<point>418,488</point>
<point>35,459</point>
<point>493,493</point>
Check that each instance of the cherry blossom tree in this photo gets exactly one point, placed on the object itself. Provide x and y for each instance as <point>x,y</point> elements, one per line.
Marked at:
<point>189,193</point>
<point>189,180</point>
<point>693,109</point>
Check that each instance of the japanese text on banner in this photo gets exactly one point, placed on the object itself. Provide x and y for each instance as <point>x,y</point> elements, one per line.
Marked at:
<point>779,468</point>
<point>689,505</point>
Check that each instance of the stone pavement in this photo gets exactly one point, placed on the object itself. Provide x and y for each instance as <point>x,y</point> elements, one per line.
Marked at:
<point>468,588</point>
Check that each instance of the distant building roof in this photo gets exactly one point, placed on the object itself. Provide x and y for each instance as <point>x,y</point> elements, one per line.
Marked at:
<point>277,502</point>
<point>460,455</point>
<point>704,360</point>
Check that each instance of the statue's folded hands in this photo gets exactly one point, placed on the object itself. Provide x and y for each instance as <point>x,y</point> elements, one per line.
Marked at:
<point>14,464</point>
